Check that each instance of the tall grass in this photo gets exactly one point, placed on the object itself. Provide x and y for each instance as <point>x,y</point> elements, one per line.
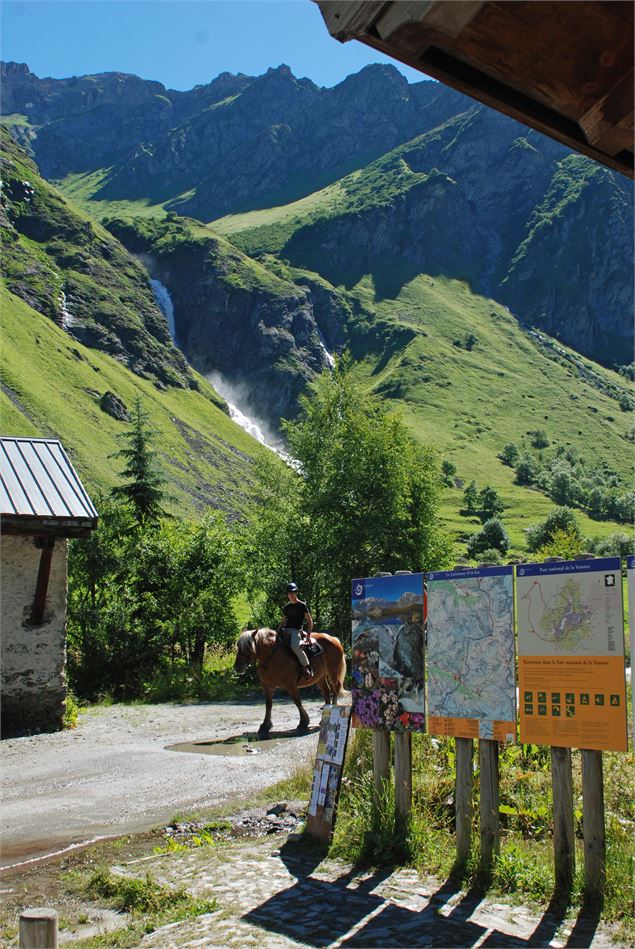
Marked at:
<point>366,831</point>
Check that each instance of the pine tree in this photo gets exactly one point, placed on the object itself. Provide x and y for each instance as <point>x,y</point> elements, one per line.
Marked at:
<point>144,488</point>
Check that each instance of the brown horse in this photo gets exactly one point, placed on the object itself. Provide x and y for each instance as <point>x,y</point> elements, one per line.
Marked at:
<point>279,669</point>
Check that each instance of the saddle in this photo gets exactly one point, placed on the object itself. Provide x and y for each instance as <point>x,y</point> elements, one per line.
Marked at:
<point>310,646</point>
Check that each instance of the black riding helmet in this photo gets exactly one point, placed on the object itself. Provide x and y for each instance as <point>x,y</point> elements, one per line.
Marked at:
<point>292,588</point>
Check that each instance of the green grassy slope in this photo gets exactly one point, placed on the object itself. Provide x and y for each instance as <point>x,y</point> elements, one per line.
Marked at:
<point>471,403</point>
<point>51,386</point>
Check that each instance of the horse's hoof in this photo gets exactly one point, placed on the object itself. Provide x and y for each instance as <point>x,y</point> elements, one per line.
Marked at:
<point>263,731</point>
<point>302,728</point>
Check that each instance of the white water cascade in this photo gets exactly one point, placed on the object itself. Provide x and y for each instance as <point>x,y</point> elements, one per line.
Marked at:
<point>254,426</point>
<point>329,356</point>
<point>164,302</point>
<point>68,320</point>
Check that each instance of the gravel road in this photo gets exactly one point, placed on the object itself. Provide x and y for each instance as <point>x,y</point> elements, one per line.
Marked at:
<point>116,773</point>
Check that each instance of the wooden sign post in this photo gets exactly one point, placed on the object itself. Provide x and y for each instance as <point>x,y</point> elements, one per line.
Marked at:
<point>381,764</point>
<point>489,803</point>
<point>403,777</point>
<point>464,752</point>
<point>563,821</point>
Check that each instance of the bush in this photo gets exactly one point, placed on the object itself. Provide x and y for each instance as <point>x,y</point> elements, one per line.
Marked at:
<point>492,536</point>
<point>489,504</point>
<point>448,469</point>
<point>540,439</point>
<point>618,544</point>
<point>510,453</point>
<point>560,519</point>
<point>526,469</point>
<point>562,544</point>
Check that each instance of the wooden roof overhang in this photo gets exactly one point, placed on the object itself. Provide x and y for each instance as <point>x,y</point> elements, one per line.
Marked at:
<point>46,526</point>
<point>563,67</point>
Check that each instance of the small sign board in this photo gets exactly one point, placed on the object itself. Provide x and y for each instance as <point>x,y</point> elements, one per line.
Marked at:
<point>327,774</point>
<point>388,653</point>
<point>572,689</point>
<point>470,653</point>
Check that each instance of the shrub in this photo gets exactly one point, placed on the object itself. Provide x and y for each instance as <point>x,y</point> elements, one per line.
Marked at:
<point>448,469</point>
<point>540,439</point>
<point>618,544</point>
<point>562,544</point>
<point>492,536</point>
<point>562,519</point>
<point>509,454</point>
<point>526,469</point>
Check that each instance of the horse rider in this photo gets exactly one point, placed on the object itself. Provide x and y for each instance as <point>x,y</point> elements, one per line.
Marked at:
<point>294,615</point>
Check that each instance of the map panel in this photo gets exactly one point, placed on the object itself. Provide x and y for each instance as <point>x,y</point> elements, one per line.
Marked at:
<point>388,647</point>
<point>571,654</point>
<point>572,608</point>
<point>470,653</point>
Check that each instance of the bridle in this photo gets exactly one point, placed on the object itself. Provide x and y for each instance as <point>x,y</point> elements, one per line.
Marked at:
<point>276,646</point>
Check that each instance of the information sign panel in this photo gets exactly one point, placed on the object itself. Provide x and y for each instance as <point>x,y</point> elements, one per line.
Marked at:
<point>470,653</point>
<point>327,774</point>
<point>571,654</point>
<point>630,585</point>
<point>388,646</point>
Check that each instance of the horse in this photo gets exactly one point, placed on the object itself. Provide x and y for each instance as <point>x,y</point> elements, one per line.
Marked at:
<point>278,668</point>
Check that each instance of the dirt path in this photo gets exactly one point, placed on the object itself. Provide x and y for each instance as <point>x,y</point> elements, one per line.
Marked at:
<point>116,773</point>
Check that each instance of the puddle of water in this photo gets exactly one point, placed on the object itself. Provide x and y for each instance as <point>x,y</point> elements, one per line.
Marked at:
<point>249,744</point>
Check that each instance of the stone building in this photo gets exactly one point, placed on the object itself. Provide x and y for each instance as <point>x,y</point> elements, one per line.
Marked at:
<point>42,504</point>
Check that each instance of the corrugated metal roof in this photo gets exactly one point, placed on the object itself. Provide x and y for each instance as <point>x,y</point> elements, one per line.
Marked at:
<point>37,479</point>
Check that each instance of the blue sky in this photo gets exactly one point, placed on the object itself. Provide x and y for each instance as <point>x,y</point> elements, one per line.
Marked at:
<point>179,43</point>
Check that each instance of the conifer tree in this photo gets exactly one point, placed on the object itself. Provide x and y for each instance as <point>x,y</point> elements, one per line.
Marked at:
<point>144,487</point>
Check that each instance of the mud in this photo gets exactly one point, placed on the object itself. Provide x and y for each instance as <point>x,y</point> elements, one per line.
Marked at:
<point>115,774</point>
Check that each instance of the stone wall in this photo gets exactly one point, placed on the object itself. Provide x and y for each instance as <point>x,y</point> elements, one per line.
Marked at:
<point>32,681</point>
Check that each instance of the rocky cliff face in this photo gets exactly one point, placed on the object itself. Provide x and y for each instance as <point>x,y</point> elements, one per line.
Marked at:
<point>232,315</point>
<point>428,181</point>
<point>73,271</point>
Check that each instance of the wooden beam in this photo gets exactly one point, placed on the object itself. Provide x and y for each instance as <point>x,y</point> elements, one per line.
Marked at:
<point>345,19</point>
<point>42,584</point>
<point>447,19</point>
<point>609,123</point>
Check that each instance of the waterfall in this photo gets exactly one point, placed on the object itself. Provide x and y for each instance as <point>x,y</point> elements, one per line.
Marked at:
<point>68,320</point>
<point>254,426</point>
<point>164,302</point>
<point>329,356</point>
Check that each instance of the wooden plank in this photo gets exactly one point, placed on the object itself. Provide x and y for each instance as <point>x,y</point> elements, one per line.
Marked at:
<point>463,797</point>
<point>345,19</point>
<point>609,123</point>
<point>381,763</point>
<point>489,806</point>
<point>42,583</point>
<point>593,821</point>
<point>403,776</point>
<point>447,19</point>
<point>563,823</point>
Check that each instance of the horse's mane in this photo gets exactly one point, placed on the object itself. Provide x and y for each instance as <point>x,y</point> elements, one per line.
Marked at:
<point>247,642</point>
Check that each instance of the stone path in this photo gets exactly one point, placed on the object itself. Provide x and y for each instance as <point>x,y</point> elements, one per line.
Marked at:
<point>277,897</point>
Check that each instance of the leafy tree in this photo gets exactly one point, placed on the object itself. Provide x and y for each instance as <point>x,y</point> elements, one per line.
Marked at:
<point>489,503</point>
<point>370,493</point>
<point>492,536</point>
<point>526,469</point>
<point>145,488</point>
<point>509,454</point>
<point>618,544</point>
<point>563,543</point>
<point>540,439</point>
<point>448,469</point>
<point>562,485</point>
<point>561,518</point>
<point>471,498</point>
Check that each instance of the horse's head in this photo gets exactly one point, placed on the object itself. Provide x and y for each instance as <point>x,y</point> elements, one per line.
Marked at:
<point>245,650</point>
